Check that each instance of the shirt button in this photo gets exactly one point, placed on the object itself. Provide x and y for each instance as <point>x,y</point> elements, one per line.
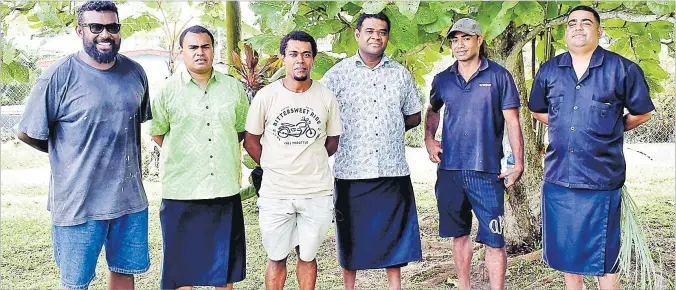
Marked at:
<point>376,117</point>
<point>209,139</point>
<point>374,85</point>
<point>572,128</point>
<point>376,151</point>
<point>571,150</point>
<point>575,108</point>
<point>212,173</point>
<point>577,87</point>
<point>207,107</point>
<point>205,92</point>
<point>211,156</point>
<point>374,101</point>
<point>208,124</point>
<point>376,134</point>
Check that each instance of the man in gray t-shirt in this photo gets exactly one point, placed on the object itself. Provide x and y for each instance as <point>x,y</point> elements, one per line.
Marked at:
<point>86,111</point>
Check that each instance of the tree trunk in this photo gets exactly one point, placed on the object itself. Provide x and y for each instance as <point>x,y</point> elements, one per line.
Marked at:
<point>522,216</point>
<point>233,28</point>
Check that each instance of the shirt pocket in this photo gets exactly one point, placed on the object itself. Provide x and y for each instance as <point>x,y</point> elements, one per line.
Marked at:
<point>555,114</point>
<point>602,118</point>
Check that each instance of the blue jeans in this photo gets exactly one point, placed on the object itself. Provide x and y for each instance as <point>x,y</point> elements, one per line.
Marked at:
<point>77,248</point>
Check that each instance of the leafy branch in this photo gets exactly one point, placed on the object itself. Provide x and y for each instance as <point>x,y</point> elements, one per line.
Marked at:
<point>561,19</point>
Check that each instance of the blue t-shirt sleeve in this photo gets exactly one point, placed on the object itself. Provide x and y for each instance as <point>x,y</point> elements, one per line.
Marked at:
<point>41,108</point>
<point>145,111</point>
<point>538,94</point>
<point>510,95</point>
<point>435,97</point>
<point>637,94</point>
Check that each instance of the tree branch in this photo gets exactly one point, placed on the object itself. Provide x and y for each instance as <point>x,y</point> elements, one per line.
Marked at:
<point>415,52</point>
<point>633,48</point>
<point>25,7</point>
<point>629,17</point>
<point>344,21</point>
<point>518,46</point>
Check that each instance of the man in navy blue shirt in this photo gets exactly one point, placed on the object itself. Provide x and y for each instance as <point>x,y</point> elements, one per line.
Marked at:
<point>581,95</point>
<point>480,96</point>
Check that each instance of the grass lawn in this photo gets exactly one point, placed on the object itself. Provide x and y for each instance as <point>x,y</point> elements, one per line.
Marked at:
<point>17,155</point>
<point>27,258</point>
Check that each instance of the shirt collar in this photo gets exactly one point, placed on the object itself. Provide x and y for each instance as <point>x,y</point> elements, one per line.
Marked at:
<point>596,59</point>
<point>186,77</point>
<point>358,60</point>
<point>482,67</point>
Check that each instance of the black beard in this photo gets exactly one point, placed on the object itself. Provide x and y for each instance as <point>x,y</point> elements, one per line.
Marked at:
<point>101,57</point>
<point>300,79</point>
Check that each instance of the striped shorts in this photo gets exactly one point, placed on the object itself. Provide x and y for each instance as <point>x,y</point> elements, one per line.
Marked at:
<point>459,192</point>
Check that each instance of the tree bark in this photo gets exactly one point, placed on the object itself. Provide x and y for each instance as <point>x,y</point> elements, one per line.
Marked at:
<point>233,28</point>
<point>522,216</point>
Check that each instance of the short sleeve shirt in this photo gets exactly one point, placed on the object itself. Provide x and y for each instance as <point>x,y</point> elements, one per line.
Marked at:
<point>201,156</point>
<point>91,119</point>
<point>586,126</point>
<point>474,123</point>
<point>294,129</point>
<point>373,103</point>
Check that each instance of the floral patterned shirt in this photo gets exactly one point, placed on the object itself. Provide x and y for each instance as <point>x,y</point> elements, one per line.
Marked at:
<point>373,103</point>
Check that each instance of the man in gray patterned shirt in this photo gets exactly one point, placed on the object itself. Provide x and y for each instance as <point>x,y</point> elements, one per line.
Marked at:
<point>374,198</point>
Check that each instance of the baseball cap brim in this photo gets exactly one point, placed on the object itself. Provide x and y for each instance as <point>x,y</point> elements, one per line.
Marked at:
<point>465,31</point>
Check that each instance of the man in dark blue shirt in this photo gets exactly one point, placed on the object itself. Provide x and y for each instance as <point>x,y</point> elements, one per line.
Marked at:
<point>479,96</point>
<point>581,95</point>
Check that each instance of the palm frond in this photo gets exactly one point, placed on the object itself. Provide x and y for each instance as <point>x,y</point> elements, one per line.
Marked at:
<point>635,247</point>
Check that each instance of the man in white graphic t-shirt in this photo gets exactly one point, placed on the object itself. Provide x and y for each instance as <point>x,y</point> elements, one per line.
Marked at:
<point>292,128</point>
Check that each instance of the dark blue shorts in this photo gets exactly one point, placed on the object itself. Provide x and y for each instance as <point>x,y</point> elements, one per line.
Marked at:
<point>459,192</point>
<point>580,229</point>
<point>203,242</point>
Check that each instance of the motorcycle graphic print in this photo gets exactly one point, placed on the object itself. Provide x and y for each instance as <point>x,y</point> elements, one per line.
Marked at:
<point>302,128</point>
<point>297,126</point>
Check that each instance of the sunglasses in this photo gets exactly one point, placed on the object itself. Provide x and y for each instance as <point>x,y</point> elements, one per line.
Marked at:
<point>96,28</point>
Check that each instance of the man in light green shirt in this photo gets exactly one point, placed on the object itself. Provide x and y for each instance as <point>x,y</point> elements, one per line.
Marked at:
<point>199,123</point>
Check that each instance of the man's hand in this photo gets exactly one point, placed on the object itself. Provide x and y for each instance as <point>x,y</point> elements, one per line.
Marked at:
<point>511,176</point>
<point>433,149</point>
